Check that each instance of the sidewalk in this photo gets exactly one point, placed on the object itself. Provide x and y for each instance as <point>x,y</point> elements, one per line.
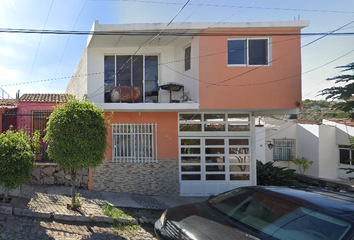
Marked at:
<point>51,202</point>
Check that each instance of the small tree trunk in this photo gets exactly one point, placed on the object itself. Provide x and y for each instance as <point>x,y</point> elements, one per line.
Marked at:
<point>73,178</point>
<point>6,196</point>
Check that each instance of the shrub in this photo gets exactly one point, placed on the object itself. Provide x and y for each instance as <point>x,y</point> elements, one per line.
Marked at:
<point>16,160</point>
<point>270,175</point>
<point>302,163</point>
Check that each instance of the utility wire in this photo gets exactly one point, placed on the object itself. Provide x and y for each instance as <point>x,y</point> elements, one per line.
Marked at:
<point>231,6</point>
<point>66,45</point>
<point>166,33</point>
<point>39,44</point>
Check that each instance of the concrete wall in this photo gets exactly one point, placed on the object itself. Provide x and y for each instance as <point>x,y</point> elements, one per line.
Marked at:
<point>159,178</point>
<point>308,146</point>
<point>190,77</point>
<point>261,147</point>
<point>328,153</point>
<point>286,130</point>
<point>78,82</point>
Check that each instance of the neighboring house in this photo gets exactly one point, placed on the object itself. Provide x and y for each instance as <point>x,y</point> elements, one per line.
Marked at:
<point>326,144</point>
<point>7,108</point>
<point>31,111</point>
<point>227,73</point>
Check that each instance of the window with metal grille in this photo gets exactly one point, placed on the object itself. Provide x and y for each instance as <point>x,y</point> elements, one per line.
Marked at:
<point>134,142</point>
<point>284,149</point>
<point>345,154</point>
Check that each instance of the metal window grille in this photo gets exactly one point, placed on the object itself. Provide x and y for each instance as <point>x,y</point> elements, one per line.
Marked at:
<point>136,143</point>
<point>284,149</point>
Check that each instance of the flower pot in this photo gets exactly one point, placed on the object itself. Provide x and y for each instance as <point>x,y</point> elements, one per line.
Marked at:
<point>38,157</point>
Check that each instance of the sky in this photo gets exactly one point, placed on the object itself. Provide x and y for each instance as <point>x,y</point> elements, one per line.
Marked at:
<point>39,58</point>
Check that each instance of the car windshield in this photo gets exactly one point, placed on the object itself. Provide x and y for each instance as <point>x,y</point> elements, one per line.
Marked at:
<point>276,218</point>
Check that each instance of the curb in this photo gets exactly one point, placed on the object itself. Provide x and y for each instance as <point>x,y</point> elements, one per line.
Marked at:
<point>56,216</point>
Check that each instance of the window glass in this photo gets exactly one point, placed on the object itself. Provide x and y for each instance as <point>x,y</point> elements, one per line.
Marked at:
<point>238,127</point>
<point>190,168</point>
<point>187,58</point>
<point>236,52</point>
<point>190,150</point>
<point>190,159</point>
<point>214,117</point>
<point>258,52</point>
<point>220,159</point>
<point>238,117</point>
<point>151,77</point>
<point>247,52</point>
<point>190,118</point>
<point>214,150</point>
<point>109,69</point>
<point>217,177</point>
<point>239,168</point>
<point>189,141</point>
<point>238,141</point>
<point>278,218</point>
<point>344,156</point>
<point>214,127</point>
<point>215,168</point>
<point>239,159</point>
<point>123,70</point>
<point>238,150</point>
<point>190,127</point>
<point>239,177</point>
<point>190,177</point>
<point>214,141</point>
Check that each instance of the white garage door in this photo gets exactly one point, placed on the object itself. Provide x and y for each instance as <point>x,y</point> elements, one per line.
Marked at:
<point>211,164</point>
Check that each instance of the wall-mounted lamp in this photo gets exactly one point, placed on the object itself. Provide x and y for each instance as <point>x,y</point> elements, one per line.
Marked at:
<point>270,145</point>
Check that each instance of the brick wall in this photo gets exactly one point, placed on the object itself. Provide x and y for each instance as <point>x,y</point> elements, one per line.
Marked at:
<point>140,178</point>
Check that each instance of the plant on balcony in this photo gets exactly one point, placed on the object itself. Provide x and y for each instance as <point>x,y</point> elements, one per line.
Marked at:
<point>16,160</point>
<point>185,97</point>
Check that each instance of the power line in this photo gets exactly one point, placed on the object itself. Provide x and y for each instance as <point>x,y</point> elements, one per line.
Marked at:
<point>166,33</point>
<point>232,6</point>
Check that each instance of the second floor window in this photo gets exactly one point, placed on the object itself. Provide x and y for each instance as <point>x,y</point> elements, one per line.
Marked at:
<point>247,52</point>
<point>132,71</point>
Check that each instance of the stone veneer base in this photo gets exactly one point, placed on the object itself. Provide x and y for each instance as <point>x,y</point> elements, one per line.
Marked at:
<point>159,178</point>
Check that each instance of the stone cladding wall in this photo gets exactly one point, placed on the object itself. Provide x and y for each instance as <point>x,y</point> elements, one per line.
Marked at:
<point>55,175</point>
<point>159,178</point>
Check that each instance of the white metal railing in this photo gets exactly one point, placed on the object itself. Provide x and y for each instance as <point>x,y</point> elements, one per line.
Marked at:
<point>134,142</point>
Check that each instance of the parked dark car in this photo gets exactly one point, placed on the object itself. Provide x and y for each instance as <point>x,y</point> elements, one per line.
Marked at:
<point>262,212</point>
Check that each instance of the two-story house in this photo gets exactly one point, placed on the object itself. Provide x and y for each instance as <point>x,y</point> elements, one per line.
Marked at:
<point>181,101</point>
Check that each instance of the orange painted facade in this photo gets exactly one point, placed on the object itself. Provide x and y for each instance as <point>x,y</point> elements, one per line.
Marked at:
<point>167,130</point>
<point>265,87</point>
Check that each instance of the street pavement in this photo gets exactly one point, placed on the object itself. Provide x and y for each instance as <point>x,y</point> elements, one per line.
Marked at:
<point>40,212</point>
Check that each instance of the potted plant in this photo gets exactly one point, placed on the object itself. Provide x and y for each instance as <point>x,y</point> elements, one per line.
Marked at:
<point>36,145</point>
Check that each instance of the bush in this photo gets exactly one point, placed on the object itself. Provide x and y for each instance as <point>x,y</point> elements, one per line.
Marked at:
<point>270,175</point>
<point>16,160</point>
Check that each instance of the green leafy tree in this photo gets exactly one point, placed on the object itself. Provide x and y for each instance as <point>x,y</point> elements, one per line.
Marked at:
<point>77,137</point>
<point>16,160</point>
<point>307,103</point>
<point>342,92</point>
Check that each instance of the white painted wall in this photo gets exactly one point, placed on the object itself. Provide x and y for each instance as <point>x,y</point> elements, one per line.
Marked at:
<point>261,144</point>
<point>189,78</point>
<point>328,153</point>
<point>308,146</point>
<point>286,130</point>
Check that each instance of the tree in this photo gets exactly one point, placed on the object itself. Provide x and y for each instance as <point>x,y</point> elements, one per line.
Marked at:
<point>77,137</point>
<point>342,93</point>
<point>16,160</point>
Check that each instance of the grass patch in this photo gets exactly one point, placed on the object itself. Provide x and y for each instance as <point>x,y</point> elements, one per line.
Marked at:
<point>127,229</point>
<point>114,212</point>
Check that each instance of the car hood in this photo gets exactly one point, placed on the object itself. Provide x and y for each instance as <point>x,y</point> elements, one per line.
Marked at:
<point>199,222</point>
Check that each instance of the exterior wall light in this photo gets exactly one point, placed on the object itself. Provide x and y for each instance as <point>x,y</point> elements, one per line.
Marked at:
<point>270,145</point>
